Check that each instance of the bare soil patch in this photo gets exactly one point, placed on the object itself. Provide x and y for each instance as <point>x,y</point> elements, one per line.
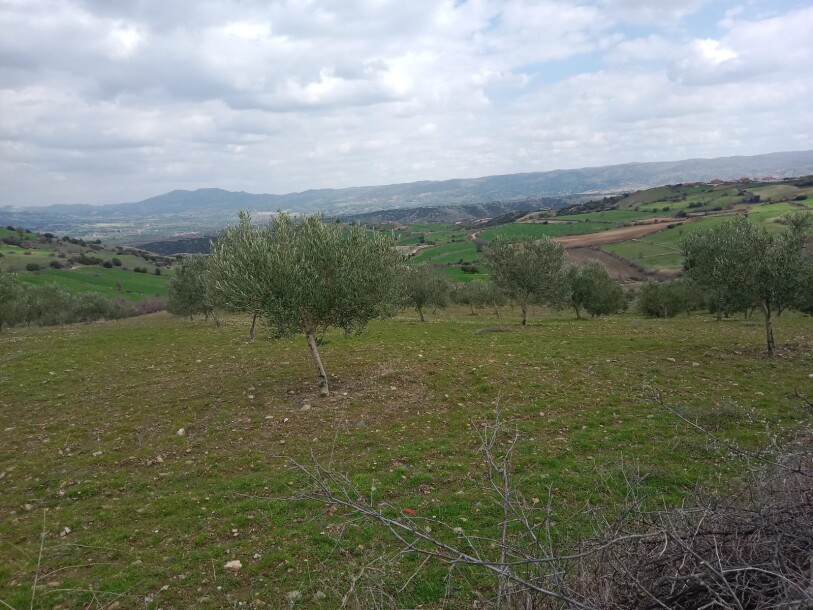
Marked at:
<point>613,235</point>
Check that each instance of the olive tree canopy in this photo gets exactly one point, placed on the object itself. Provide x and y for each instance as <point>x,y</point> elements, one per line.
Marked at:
<point>189,291</point>
<point>527,269</point>
<point>591,288</point>
<point>745,264</point>
<point>424,286</point>
<point>305,276</point>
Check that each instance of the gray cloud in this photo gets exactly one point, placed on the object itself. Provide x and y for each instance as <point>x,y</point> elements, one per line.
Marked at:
<point>112,101</point>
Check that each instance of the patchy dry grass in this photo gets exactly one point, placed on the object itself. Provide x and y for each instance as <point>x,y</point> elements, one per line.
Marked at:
<point>89,416</point>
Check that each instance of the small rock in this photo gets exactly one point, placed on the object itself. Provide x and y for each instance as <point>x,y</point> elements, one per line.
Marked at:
<point>810,376</point>
<point>458,530</point>
<point>293,597</point>
<point>165,588</point>
<point>65,531</point>
<point>305,408</point>
<point>234,565</point>
<point>27,506</point>
<point>257,556</point>
<point>695,364</point>
<point>671,359</point>
<point>319,596</point>
<point>198,361</point>
<point>97,453</point>
<point>181,432</point>
<point>269,417</point>
<point>361,423</point>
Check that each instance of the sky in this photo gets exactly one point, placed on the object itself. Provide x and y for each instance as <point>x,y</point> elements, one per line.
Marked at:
<point>108,101</point>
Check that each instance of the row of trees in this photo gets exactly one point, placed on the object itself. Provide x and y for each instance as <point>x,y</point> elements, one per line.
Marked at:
<point>525,280</point>
<point>307,276</point>
<point>49,305</point>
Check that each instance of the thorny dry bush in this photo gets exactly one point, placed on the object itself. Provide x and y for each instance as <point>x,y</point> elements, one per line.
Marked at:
<point>749,550</point>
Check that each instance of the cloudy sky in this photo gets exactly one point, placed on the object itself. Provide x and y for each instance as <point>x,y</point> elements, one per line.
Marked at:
<point>105,101</point>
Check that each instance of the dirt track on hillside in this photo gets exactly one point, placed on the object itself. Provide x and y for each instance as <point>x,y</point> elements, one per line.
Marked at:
<point>621,270</point>
<point>613,235</point>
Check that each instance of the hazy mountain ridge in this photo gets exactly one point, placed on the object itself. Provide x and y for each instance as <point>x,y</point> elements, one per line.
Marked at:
<point>182,210</point>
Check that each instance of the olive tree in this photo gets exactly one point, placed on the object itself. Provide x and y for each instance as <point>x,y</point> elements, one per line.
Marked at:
<point>189,291</point>
<point>238,247</point>
<point>479,294</point>
<point>744,263</point>
<point>307,276</point>
<point>527,270</point>
<point>591,288</point>
<point>424,286</point>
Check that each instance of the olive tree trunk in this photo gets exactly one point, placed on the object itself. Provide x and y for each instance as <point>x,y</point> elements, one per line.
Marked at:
<point>251,330</point>
<point>320,370</point>
<point>766,311</point>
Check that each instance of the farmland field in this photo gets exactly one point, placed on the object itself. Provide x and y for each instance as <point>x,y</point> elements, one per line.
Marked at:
<point>134,512</point>
<point>109,282</point>
<point>540,229</point>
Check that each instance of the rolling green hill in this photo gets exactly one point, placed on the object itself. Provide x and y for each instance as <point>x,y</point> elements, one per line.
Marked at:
<point>80,266</point>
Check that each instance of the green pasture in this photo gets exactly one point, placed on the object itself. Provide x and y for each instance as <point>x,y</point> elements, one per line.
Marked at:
<point>615,216</point>
<point>540,229</point>
<point>112,283</point>
<point>139,457</point>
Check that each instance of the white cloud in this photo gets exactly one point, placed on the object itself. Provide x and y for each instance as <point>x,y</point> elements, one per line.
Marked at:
<point>104,102</point>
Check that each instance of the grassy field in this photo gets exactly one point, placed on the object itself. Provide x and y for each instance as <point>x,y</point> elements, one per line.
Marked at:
<point>16,258</point>
<point>616,216</point>
<point>109,282</point>
<point>134,512</point>
<point>540,229</point>
<point>663,250</point>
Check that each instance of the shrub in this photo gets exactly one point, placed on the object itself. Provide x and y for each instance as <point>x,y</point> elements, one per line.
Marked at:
<point>107,265</point>
<point>116,261</point>
<point>32,267</point>
<point>55,265</point>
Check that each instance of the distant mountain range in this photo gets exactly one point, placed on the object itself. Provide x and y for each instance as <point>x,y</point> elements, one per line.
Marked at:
<point>180,211</point>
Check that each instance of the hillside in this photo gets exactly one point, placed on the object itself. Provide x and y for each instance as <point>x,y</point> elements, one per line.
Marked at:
<point>202,210</point>
<point>635,235</point>
<point>77,265</point>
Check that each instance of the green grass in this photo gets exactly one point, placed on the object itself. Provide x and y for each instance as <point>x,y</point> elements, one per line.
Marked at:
<point>540,229</point>
<point>16,258</point>
<point>4,232</point>
<point>617,216</point>
<point>449,253</point>
<point>93,278</point>
<point>458,275</point>
<point>662,250</point>
<point>86,411</point>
